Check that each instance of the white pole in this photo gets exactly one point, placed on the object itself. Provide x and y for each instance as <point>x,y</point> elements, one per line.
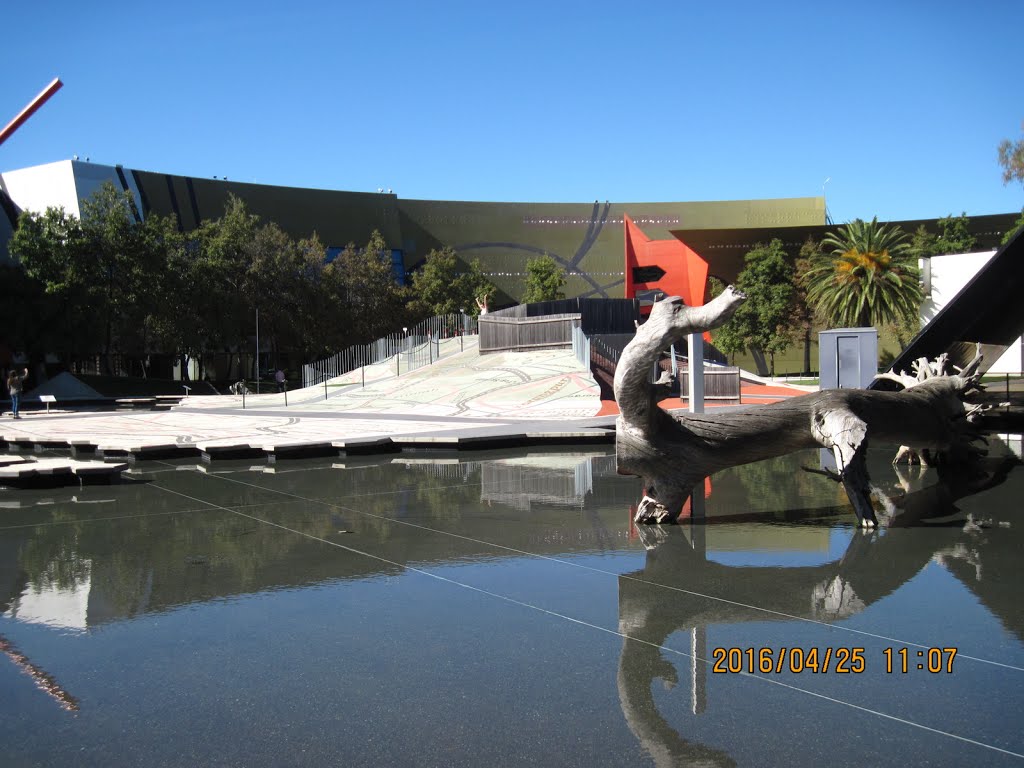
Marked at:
<point>696,377</point>
<point>257,350</point>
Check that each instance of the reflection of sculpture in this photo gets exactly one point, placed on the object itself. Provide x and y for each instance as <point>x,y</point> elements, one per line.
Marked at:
<point>673,453</point>
<point>872,567</point>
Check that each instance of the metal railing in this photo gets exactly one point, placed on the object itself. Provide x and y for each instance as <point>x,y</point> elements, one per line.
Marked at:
<point>408,349</point>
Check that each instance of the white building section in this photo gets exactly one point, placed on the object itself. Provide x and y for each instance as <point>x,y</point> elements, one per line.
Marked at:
<point>63,184</point>
<point>44,186</point>
<point>948,275</point>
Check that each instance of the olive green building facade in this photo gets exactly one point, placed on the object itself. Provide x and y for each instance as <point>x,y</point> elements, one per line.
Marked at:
<point>586,239</point>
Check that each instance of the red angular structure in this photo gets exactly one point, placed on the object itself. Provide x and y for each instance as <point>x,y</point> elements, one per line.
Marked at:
<point>668,266</point>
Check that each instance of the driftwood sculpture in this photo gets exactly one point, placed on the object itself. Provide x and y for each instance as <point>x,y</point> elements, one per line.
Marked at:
<point>672,453</point>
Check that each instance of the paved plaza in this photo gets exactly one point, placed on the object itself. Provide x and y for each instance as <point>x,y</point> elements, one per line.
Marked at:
<point>465,397</point>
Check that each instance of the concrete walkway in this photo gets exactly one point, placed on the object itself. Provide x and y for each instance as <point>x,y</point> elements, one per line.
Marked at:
<point>464,400</point>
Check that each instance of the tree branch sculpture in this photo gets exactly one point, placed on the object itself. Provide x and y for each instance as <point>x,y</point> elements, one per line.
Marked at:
<point>672,453</point>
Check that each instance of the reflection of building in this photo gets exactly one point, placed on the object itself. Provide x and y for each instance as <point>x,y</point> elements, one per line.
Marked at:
<point>56,605</point>
<point>523,482</point>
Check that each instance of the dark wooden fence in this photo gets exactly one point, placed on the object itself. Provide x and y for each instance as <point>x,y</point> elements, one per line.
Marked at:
<point>501,333</point>
<point>719,383</point>
<point>596,315</point>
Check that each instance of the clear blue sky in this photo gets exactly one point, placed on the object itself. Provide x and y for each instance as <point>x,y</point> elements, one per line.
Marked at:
<point>901,104</point>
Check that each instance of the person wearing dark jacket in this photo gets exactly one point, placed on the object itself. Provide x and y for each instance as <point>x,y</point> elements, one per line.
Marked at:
<point>16,385</point>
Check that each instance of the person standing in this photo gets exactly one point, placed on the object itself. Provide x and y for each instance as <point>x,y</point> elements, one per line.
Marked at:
<point>280,379</point>
<point>15,385</point>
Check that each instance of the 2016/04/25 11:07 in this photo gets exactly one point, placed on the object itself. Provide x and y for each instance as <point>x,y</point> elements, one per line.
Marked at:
<point>837,660</point>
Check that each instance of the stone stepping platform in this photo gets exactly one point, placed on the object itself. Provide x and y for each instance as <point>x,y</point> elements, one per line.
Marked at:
<point>20,471</point>
<point>131,448</point>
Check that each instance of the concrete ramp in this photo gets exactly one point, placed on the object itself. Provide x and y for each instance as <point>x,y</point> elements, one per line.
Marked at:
<point>544,384</point>
<point>520,385</point>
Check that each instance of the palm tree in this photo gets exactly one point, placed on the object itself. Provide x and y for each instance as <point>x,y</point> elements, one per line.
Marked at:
<point>864,276</point>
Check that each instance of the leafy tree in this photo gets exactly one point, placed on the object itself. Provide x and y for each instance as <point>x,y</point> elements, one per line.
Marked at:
<point>802,319</point>
<point>765,320</point>
<point>124,259</point>
<point>544,280</point>
<point>1017,226</point>
<point>175,326</point>
<point>363,283</point>
<point>1011,158</point>
<point>479,286</point>
<point>223,305</point>
<point>50,248</point>
<point>102,275</point>
<point>954,236</point>
<point>866,276</point>
<point>30,319</point>
<point>442,285</point>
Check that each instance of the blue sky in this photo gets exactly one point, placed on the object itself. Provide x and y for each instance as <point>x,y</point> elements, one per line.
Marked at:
<point>900,104</point>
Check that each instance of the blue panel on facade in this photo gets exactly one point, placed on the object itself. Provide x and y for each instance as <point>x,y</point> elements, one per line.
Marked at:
<point>398,266</point>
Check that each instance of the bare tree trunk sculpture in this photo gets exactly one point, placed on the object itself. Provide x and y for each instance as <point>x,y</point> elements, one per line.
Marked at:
<point>672,453</point>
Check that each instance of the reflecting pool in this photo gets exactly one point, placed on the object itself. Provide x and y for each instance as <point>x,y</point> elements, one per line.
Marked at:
<point>500,608</point>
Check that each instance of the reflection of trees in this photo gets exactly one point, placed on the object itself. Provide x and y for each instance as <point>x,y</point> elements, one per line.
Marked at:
<point>152,556</point>
<point>772,485</point>
<point>874,565</point>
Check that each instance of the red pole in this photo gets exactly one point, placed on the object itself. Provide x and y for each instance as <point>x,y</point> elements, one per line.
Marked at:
<point>30,110</point>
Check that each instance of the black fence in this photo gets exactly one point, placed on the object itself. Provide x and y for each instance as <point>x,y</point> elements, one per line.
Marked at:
<point>596,315</point>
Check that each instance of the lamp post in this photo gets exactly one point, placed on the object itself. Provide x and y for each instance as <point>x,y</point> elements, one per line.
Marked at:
<point>257,350</point>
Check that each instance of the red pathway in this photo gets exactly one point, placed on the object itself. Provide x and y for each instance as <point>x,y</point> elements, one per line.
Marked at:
<point>750,394</point>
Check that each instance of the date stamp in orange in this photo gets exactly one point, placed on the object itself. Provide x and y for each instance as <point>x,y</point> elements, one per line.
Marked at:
<point>837,660</point>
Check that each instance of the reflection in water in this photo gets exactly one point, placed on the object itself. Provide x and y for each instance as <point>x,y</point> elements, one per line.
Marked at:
<point>771,537</point>
<point>73,571</point>
<point>873,566</point>
<point>57,603</point>
<point>43,680</point>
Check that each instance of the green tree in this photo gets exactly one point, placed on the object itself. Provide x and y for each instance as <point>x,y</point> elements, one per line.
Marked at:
<point>1011,158</point>
<point>363,283</point>
<point>544,280</point>
<point>101,276</point>
<point>1017,226</point>
<point>443,285</point>
<point>765,321</point>
<point>223,305</point>
<point>803,315</point>
<point>865,277</point>
<point>317,322</point>
<point>124,258</point>
<point>954,236</point>
<point>50,248</point>
<point>31,321</point>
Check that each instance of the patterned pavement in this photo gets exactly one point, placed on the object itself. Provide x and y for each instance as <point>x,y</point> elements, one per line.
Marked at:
<point>459,394</point>
<point>463,396</point>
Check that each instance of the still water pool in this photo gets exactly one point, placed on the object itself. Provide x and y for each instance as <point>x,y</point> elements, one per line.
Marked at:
<point>499,608</point>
